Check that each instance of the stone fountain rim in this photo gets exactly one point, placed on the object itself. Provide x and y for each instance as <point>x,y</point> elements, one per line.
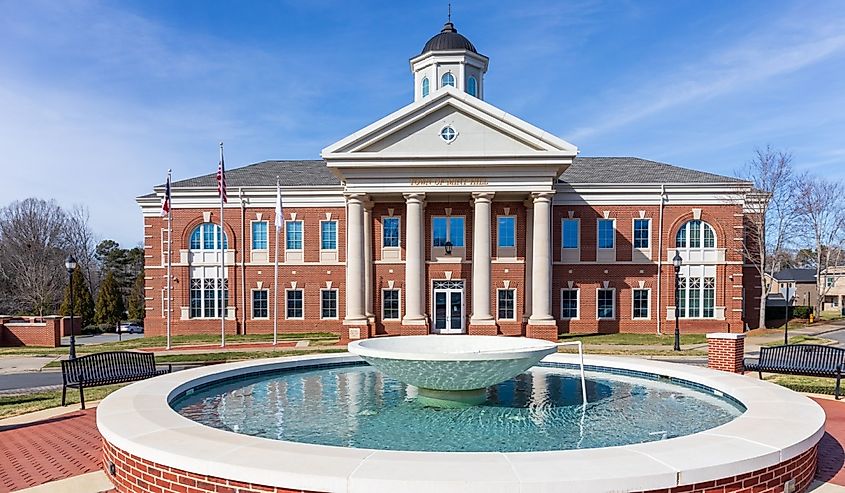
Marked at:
<point>520,348</point>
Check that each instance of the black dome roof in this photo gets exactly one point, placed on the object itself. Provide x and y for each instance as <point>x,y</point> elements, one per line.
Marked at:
<point>448,39</point>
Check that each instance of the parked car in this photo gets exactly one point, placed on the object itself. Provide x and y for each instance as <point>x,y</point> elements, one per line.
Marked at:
<point>131,328</point>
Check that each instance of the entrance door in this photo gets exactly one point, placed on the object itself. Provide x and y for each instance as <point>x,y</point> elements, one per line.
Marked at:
<point>448,298</point>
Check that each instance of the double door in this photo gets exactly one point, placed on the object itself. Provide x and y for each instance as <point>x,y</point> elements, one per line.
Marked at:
<point>448,300</point>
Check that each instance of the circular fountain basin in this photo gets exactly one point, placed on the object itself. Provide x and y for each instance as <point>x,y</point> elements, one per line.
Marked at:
<point>774,440</point>
<point>448,363</point>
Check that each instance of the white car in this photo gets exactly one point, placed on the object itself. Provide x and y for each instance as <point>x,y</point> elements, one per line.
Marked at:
<point>131,328</point>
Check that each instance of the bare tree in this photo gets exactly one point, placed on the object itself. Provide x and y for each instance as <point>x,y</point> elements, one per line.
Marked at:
<point>819,204</point>
<point>82,244</point>
<point>32,250</point>
<point>769,215</point>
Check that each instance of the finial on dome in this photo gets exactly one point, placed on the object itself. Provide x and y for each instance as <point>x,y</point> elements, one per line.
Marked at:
<point>449,16</point>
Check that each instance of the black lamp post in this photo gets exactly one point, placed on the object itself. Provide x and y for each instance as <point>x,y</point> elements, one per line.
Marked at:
<point>70,265</point>
<point>676,262</point>
<point>448,246</point>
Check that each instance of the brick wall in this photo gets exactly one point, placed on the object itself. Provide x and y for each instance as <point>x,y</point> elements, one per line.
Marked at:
<point>30,331</point>
<point>725,352</point>
<point>734,283</point>
<point>134,474</point>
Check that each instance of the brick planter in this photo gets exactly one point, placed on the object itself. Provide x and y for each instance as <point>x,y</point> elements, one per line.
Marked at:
<point>725,352</point>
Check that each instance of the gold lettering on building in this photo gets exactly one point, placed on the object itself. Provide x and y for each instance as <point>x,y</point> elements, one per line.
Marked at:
<point>449,182</point>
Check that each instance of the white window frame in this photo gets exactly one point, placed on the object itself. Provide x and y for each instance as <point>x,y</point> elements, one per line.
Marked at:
<point>634,233</point>
<point>475,80</point>
<point>514,304</point>
<point>648,300</point>
<point>302,245</point>
<point>425,87</point>
<point>399,301</point>
<point>399,244</point>
<point>336,239</point>
<point>252,304</point>
<point>252,235</point>
<point>598,233</point>
<point>498,236</point>
<point>459,249</point>
<point>686,274</point>
<point>336,302</point>
<point>613,301</point>
<point>577,304</point>
<point>301,290</point>
<point>577,222</point>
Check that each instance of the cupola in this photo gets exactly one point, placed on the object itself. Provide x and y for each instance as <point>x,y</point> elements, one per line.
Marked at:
<point>449,59</point>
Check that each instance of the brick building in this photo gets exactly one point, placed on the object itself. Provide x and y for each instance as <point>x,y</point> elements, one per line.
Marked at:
<point>452,216</point>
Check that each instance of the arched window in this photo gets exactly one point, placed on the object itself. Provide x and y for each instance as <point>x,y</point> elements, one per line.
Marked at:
<point>447,80</point>
<point>696,296</point>
<point>693,232</point>
<point>472,86</point>
<point>206,236</point>
<point>425,87</point>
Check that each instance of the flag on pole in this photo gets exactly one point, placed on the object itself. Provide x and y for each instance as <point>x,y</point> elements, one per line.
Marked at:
<point>165,202</point>
<point>279,213</point>
<point>221,179</point>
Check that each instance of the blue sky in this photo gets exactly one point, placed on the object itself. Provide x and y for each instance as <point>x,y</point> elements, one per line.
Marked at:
<point>99,99</point>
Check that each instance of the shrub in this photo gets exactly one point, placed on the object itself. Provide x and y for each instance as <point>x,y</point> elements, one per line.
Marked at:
<point>91,330</point>
<point>801,311</point>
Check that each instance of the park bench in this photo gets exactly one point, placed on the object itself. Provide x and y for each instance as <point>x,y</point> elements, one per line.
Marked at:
<point>107,368</point>
<point>811,360</point>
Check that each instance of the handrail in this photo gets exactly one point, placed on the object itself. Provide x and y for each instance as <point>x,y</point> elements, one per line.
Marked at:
<point>583,380</point>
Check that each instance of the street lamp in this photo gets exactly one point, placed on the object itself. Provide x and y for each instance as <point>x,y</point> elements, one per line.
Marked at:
<point>448,246</point>
<point>676,262</point>
<point>70,265</point>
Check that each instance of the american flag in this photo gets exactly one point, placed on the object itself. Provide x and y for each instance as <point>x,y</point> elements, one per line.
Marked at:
<point>165,202</point>
<point>221,178</point>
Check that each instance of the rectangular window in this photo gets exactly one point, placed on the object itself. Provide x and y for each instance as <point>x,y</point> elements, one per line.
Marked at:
<point>328,235</point>
<point>695,234</point>
<point>390,304</point>
<point>449,229</point>
<point>259,304</point>
<point>390,232</point>
<point>607,233</point>
<point>694,297</point>
<point>259,235</point>
<point>507,304</point>
<point>709,297</point>
<point>293,235</point>
<point>570,233</point>
<point>456,231</point>
<point>207,300</point>
<point>569,303</point>
<point>328,303</point>
<point>507,232</point>
<point>641,298</point>
<point>830,281</point>
<point>641,228</point>
<point>293,303</point>
<point>605,303</point>
<point>208,236</point>
<point>681,297</point>
<point>196,298</point>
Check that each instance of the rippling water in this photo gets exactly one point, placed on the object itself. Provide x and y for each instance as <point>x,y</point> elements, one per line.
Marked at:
<point>538,410</point>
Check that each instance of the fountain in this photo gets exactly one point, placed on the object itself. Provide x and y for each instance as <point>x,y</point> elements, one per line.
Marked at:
<point>452,370</point>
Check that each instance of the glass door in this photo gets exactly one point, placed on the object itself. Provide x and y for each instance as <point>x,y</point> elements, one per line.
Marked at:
<point>448,300</point>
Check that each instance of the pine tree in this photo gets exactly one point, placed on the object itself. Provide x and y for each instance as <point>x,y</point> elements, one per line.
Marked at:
<point>110,309</point>
<point>83,303</point>
<point>135,302</point>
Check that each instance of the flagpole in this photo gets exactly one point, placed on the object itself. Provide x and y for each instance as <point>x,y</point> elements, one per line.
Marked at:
<point>169,256</point>
<point>222,254</point>
<point>276,267</point>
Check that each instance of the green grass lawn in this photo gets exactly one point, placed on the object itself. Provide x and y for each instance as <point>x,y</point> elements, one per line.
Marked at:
<point>226,356</point>
<point>801,339</point>
<point>814,385</point>
<point>14,405</point>
<point>320,338</point>
<point>634,339</point>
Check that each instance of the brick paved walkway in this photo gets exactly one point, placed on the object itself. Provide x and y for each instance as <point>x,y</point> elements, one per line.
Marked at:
<point>832,447</point>
<point>69,445</point>
<point>56,448</point>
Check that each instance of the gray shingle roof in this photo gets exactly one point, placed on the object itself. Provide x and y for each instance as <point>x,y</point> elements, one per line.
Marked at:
<point>635,170</point>
<point>797,275</point>
<point>295,173</point>
<point>314,173</point>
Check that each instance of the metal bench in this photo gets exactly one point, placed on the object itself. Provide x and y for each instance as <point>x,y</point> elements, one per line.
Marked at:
<point>107,368</point>
<point>811,360</point>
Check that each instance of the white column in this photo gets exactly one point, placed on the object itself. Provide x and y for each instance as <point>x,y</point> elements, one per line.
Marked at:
<point>481,259</point>
<point>529,256</point>
<point>541,268</point>
<point>414,251</point>
<point>368,260</point>
<point>355,309</point>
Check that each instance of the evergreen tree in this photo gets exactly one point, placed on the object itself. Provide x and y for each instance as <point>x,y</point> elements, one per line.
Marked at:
<point>135,302</point>
<point>83,303</point>
<point>110,308</point>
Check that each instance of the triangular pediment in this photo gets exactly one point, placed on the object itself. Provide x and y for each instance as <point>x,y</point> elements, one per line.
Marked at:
<point>482,131</point>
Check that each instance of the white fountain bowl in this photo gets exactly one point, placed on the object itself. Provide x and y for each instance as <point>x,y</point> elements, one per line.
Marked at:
<point>452,362</point>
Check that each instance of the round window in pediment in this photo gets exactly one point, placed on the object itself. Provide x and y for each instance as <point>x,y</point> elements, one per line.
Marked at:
<point>448,134</point>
